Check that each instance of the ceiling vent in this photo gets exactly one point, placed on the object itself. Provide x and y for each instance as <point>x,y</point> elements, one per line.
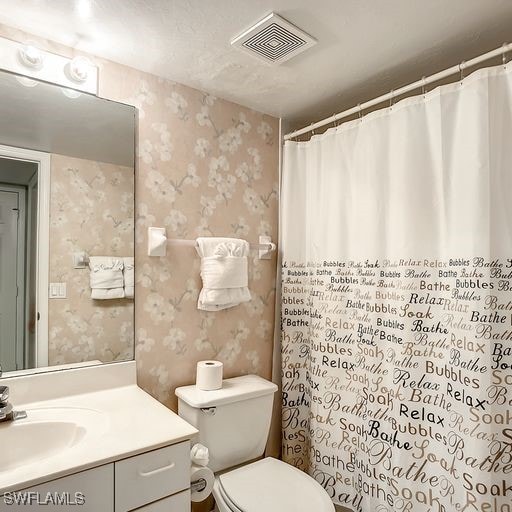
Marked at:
<point>274,40</point>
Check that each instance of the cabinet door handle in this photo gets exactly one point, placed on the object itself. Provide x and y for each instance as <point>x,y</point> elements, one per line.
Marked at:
<point>156,471</point>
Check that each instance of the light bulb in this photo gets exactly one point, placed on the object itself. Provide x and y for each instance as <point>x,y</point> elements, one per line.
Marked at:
<point>78,69</point>
<point>31,56</point>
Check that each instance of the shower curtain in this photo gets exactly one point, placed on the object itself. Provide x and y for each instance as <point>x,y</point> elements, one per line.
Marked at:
<point>397,303</point>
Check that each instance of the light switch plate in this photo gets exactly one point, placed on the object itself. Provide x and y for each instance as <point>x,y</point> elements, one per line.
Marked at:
<point>57,291</point>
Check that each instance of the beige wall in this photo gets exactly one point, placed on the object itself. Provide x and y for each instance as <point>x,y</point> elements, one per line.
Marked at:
<point>205,166</point>
<point>91,210</point>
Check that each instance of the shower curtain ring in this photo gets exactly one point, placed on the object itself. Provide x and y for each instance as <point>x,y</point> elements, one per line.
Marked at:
<point>312,129</point>
<point>391,97</point>
<point>423,79</point>
<point>461,69</point>
<point>504,53</point>
<point>359,112</point>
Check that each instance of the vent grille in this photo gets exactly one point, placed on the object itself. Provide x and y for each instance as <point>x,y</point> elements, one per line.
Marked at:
<point>274,42</point>
<point>273,39</point>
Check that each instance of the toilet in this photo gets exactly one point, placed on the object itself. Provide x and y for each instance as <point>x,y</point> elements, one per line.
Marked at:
<point>234,423</point>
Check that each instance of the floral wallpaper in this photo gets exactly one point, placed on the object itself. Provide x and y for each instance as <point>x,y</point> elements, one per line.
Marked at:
<point>208,167</point>
<point>91,210</point>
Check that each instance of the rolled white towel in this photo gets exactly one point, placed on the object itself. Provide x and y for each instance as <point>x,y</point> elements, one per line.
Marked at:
<point>106,277</point>
<point>224,273</point>
<point>113,293</point>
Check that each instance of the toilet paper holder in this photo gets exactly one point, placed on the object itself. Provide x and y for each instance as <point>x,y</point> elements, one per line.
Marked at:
<point>198,485</point>
<point>201,476</point>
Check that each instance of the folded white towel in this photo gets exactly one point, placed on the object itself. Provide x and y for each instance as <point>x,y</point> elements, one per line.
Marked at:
<point>129,277</point>
<point>106,277</point>
<point>224,273</point>
<point>107,293</point>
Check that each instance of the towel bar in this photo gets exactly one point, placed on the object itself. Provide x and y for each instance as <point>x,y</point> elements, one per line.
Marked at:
<point>158,241</point>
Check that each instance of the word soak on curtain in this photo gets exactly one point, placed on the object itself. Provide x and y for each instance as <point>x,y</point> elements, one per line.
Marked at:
<point>397,303</point>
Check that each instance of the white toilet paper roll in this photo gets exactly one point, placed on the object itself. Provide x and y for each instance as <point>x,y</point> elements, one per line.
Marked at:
<point>209,375</point>
<point>201,482</point>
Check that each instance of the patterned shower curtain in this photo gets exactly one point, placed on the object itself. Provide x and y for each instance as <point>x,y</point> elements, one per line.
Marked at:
<point>397,303</point>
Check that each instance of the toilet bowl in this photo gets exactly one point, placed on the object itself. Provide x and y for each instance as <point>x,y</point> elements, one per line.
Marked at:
<point>234,423</point>
<point>269,485</point>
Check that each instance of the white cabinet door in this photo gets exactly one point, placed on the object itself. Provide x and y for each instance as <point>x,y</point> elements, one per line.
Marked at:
<point>151,476</point>
<point>177,503</point>
<point>88,491</point>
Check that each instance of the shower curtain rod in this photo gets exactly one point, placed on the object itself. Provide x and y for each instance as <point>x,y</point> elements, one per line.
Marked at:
<point>459,68</point>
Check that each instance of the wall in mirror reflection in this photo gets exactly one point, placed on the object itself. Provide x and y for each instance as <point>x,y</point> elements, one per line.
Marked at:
<point>92,209</point>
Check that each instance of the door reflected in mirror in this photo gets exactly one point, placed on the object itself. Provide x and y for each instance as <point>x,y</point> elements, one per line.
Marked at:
<point>66,227</point>
<point>18,256</point>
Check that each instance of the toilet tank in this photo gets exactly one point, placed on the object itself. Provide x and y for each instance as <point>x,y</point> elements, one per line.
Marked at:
<point>233,421</point>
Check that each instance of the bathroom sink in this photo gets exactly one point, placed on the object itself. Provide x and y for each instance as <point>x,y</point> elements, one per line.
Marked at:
<point>46,433</point>
<point>78,420</point>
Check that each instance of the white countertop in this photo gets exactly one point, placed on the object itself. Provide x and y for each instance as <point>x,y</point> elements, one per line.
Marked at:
<point>126,422</point>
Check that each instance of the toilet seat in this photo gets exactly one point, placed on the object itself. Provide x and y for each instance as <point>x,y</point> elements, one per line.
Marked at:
<point>222,497</point>
<point>273,486</point>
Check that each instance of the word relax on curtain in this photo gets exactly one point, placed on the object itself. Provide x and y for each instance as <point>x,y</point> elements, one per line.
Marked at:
<point>397,381</point>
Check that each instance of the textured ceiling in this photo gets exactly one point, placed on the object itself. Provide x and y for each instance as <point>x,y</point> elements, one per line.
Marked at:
<point>365,47</point>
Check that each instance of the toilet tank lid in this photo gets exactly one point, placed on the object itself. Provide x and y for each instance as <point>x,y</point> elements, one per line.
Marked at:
<point>233,390</point>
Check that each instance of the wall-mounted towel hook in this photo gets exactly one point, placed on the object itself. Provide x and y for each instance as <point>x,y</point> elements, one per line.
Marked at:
<point>80,260</point>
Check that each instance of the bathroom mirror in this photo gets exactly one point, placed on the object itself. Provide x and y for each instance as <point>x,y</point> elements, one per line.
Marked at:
<point>66,199</point>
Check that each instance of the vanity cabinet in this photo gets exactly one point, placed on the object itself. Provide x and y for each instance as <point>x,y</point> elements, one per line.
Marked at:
<point>151,476</point>
<point>177,503</point>
<point>96,485</point>
<point>155,481</point>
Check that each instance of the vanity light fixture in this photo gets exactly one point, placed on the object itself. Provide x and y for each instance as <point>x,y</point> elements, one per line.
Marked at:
<point>32,62</point>
<point>78,69</point>
<point>31,57</point>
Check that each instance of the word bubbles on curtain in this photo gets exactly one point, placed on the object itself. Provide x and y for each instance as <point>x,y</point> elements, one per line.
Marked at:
<point>397,303</point>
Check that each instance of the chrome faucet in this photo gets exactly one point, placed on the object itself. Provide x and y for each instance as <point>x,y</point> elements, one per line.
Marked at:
<point>6,411</point>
